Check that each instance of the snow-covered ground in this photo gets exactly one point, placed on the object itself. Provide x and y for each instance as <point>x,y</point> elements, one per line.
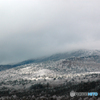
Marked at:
<point>52,72</point>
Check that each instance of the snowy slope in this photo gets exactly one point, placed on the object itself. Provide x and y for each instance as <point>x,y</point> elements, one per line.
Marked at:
<point>53,72</point>
<point>82,66</point>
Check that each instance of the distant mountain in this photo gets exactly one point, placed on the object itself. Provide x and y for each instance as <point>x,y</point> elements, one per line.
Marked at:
<point>55,57</point>
<point>93,54</point>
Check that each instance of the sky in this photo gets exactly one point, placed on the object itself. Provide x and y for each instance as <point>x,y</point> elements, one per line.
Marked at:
<point>37,28</point>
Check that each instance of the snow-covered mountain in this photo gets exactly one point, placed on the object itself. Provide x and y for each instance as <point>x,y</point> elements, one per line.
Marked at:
<point>57,71</point>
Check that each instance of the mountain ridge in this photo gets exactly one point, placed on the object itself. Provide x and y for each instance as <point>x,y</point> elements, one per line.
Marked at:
<point>67,55</point>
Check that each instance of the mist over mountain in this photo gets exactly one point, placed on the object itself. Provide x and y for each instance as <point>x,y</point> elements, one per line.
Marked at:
<point>67,55</point>
<point>49,48</point>
<point>33,29</point>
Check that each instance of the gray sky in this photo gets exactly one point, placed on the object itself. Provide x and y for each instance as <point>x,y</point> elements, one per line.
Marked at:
<point>36,28</point>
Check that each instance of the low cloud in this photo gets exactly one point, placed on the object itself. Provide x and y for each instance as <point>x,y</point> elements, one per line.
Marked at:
<point>32,29</point>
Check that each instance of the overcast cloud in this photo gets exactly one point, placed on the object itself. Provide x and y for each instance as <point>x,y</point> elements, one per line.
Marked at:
<point>36,28</point>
